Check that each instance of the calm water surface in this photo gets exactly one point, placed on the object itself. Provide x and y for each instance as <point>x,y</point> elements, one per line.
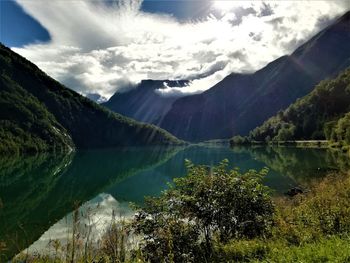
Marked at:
<point>38,194</point>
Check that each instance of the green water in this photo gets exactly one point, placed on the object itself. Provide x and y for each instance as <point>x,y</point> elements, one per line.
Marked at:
<point>37,192</point>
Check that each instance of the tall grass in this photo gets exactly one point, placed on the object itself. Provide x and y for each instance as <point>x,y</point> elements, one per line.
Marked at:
<point>310,227</point>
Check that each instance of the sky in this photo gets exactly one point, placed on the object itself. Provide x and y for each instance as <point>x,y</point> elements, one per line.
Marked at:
<point>101,46</point>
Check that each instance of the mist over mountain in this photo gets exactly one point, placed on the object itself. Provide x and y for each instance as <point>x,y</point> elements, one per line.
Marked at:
<point>145,102</point>
<point>241,102</point>
<point>96,97</point>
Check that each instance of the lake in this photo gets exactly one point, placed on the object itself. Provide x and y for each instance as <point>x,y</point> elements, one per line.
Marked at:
<point>39,193</point>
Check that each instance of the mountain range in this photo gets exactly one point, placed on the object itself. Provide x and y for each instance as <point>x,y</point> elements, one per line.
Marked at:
<point>39,114</point>
<point>241,102</point>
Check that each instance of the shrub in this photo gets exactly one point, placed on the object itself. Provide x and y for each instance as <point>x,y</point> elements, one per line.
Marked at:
<point>205,205</point>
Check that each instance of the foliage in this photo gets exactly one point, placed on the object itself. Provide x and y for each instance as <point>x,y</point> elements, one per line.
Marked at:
<point>40,114</point>
<point>286,133</point>
<point>324,211</point>
<point>313,116</point>
<point>206,205</point>
<point>326,249</point>
<point>339,131</point>
<point>312,227</point>
<point>115,241</point>
<point>25,123</point>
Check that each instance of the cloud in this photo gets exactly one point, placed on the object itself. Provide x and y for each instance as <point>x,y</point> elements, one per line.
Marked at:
<point>100,48</point>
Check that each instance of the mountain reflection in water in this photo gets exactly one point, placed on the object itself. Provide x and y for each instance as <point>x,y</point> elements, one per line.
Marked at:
<point>39,193</point>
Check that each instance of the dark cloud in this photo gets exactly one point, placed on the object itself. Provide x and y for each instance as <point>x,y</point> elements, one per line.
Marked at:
<point>266,10</point>
<point>73,82</point>
<point>255,36</point>
<point>205,56</point>
<point>276,22</point>
<point>111,60</point>
<point>295,42</point>
<point>205,70</point>
<point>240,55</point>
<point>122,85</point>
<point>240,13</point>
<point>324,21</point>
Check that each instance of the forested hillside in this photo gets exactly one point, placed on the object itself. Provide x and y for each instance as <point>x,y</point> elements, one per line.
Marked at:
<point>322,114</point>
<point>37,113</point>
<point>25,123</point>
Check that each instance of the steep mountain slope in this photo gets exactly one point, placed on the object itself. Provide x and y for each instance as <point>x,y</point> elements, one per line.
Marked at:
<point>314,116</point>
<point>36,108</point>
<point>25,123</point>
<point>241,102</point>
<point>143,102</point>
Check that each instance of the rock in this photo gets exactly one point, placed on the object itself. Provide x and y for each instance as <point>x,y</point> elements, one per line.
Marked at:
<point>294,191</point>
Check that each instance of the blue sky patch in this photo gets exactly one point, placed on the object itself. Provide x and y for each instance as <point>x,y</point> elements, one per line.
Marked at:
<point>18,28</point>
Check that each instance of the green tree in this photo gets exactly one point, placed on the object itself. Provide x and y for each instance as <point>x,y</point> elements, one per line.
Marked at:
<point>286,133</point>
<point>342,130</point>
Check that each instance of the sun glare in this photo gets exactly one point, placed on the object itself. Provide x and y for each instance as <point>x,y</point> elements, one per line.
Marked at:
<point>224,5</point>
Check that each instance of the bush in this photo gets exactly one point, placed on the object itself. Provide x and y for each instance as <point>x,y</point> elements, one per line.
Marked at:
<point>207,204</point>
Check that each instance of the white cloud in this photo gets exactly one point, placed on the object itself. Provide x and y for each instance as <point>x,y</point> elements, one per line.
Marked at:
<point>98,48</point>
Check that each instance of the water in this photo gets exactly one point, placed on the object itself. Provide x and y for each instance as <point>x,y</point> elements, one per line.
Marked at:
<point>37,194</point>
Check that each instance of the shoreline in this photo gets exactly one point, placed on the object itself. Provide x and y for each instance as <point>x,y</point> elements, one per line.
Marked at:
<point>297,143</point>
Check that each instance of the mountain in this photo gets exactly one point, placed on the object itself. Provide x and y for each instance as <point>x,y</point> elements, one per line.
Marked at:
<point>143,102</point>
<point>322,114</point>
<point>39,114</point>
<point>241,102</point>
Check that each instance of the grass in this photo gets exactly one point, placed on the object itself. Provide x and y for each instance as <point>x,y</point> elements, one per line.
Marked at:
<point>312,227</point>
<point>327,249</point>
